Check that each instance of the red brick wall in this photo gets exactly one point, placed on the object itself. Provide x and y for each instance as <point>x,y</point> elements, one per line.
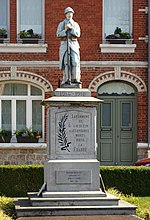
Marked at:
<point>89,15</point>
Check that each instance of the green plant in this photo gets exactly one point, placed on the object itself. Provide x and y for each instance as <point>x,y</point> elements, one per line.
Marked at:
<point>27,132</point>
<point>3,216</point>
<point>5,135</point>
<point>142,203</point>
<point>117,30</point>
<point>23,34</point>
<point>125,35</point>
<point>120,34</point>
<point>3,32</point>
<point>8,207</point>
<point>28,34</point>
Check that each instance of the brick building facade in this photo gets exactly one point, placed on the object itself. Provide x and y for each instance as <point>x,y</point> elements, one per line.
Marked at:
<point>105,69</point>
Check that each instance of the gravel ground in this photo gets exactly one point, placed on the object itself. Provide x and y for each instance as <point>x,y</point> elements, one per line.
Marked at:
<point>95,217</point>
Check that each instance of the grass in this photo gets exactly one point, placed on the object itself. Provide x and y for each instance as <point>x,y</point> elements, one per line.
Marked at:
<point>3,216</point>
<point>7,208</point>
<point>142,203</point>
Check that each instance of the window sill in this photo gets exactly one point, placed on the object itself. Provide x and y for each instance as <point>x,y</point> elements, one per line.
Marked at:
<point>117,48</point>
<point>23,48</point>
<point>22,145</point>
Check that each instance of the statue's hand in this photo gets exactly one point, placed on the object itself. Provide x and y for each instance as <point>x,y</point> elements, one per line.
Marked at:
<point>68,26</point>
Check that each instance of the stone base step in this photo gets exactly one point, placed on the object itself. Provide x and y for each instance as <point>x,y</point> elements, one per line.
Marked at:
<point>73,194</point>
<point>108,200</point>
<point>24,208</point>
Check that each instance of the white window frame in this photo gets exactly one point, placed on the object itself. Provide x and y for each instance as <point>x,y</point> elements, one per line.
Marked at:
<point>43,18</point>
<point>131,19</point>
<point>8,21</point>
<point>28,99</point>
<point>117,48</point>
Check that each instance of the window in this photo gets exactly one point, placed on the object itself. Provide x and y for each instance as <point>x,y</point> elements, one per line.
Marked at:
<point>31,16</point>
<point>117,13</point>
<point>4,12</point>
<point>20,106</point>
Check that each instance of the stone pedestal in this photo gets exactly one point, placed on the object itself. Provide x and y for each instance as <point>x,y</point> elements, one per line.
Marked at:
<point>71,171</point>
<point>71,165</point>
<point>72,175</point>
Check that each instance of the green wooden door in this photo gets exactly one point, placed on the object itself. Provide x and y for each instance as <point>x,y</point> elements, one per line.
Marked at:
<point>117,131</point>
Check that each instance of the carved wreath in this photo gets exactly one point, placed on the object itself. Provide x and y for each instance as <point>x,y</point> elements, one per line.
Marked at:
<point>62,137</point>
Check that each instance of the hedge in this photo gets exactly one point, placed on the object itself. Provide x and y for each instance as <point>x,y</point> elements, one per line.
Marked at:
<point>127,179</point>
<point>16,181</point>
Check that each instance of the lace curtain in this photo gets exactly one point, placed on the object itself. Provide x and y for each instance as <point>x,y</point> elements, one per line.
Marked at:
<point>116,88</point>
<point>3,13</point>
<point>36,115</point>
<point>116,14</point>
<point>6,115</point>
<point>20,114</point>
<point>31,15</point>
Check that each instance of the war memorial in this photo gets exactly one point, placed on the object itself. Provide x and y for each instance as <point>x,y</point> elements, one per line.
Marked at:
<point>72,181</point>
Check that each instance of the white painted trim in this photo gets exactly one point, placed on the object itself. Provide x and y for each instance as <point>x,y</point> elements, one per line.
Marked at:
<point>131,17</point>
<point>26,77</point>
<point>8,19</point>
<point>142,145</point>
<point>124,76</point>
<point>23,146</point>
<point>139,64</point>
<point>28,98</point>
<point>23,48</point>
<point>117,48</point>
<point>114,64</point>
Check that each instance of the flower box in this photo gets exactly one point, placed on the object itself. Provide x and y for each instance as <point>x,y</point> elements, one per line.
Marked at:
<point>21,139</point>
<point>26,135</point>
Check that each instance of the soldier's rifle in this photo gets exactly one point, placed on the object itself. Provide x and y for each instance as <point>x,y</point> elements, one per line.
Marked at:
<point>68,59</point>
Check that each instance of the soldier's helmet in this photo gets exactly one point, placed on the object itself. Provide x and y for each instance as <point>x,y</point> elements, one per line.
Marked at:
<point>69,9</point>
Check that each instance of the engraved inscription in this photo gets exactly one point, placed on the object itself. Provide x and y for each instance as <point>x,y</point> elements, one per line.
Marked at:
<point>74,132</point>
<point>62,137</point>
<point>73,177</point>
<point>72,93</point>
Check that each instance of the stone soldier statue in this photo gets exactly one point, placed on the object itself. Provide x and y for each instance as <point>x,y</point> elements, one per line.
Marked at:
<point>68,31</point>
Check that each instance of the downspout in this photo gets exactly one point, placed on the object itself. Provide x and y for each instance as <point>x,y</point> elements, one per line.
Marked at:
<point>148,78</point>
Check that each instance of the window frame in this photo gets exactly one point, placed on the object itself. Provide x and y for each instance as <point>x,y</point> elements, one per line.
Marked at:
<point>8,21</point>
<point>103,22</point>
<point>28,98</point>
<point>42,22</point>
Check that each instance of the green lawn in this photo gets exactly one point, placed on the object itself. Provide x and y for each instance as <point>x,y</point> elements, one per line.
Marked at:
<point>142,203</point>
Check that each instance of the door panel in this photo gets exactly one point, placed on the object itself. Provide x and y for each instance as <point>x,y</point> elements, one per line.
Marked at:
<point>126,131</point>
<point>106,152</point>
<point>117,131</point>
<point>106,140</point>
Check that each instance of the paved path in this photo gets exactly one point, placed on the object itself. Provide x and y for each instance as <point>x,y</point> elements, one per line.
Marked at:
<point>95,217</point>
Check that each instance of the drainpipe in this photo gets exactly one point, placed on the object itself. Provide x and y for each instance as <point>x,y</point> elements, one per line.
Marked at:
<point>148,78</point>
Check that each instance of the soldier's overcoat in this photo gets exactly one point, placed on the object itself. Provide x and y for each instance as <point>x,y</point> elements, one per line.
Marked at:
<point>73,44</point>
